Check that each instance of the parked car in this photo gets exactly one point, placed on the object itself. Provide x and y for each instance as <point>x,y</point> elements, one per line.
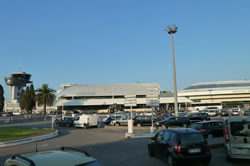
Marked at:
<point>196,117</point>
<point>110,118</point>
<point>66,122</point>
<point>7,114</point>
<point>182,114</point>
<point>57,117</point>
<point>247,112</point>
<point>17,113</point>
<point>209,129</point>
<point>212,111</point>
<point>122,121</point>
<point>174,121</point>
<point>237,136</point>
<point>235,112</point>
<point>64,157</point>
<point>142,121</point>
<point>86,121</point>
<point>223,112</point>
<point>180,145</point>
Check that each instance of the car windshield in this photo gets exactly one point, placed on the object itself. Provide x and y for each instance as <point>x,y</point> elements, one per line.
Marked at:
<point>198,126</point>
<point>240,128</point>
<point>191,138</point>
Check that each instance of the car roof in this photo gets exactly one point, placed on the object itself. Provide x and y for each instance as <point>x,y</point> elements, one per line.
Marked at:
<point>210,121</point>
<point>183,130</point>
<point>238,118</point>
<point>58,157</point>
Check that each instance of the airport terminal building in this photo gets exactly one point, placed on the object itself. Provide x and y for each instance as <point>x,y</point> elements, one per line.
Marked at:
<point>113,96</point>
<point>224,94</point>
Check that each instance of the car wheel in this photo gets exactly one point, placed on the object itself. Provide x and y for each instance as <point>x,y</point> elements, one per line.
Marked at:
<point>171,161</point>
<point>67,125</point>
<point>84,126</point>
<point>184,125</point>
<point>138,125</point>
<point>210,136</point>
<point>117,124</point>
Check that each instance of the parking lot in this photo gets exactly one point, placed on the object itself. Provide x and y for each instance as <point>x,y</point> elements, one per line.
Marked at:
<point>107,145</point>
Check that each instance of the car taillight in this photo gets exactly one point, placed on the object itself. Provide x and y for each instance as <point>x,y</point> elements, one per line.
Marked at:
<point>226,135</point>
<point>202,130</point>
<point>177,148</point>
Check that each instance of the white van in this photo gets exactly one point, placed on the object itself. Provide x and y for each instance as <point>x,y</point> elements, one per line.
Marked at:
<point>237,137</point>
<point>86,121</point>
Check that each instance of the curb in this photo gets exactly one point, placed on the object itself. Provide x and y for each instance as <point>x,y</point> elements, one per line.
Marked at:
<point>28,140</point>
<point>139,135</point>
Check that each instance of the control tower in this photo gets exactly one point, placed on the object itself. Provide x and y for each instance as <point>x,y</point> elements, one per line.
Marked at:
<point>16,82</point>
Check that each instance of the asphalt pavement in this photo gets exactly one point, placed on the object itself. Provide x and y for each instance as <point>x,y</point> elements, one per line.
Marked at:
<point>107,145</point>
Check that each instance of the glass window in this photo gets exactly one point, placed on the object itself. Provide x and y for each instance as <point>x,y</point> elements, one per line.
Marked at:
<point>160,135</point>
<point>166,136</point>
<point>197,126</point>
<point>173,138</point>
<point>240,128</point>
<point>191,138</point>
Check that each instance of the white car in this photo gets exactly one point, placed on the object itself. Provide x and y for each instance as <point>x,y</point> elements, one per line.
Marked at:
<point>211,113</point>
<point>16,113</point>
<point>237,137</point>
<point>235,112</point>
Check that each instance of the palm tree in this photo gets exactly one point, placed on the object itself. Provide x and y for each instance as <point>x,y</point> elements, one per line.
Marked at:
<point>45,96</point>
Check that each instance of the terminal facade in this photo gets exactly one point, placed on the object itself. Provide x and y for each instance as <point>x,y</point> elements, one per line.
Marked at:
<point>224,94</point>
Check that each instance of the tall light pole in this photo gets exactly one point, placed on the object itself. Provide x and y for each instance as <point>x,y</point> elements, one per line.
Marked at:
<point>171,29</point>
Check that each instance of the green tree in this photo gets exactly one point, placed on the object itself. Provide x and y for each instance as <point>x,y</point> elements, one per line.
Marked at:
<point>22,100</point>
<point>45,96</point>
<point>27,105</point>
<point>32,96</point>
<point>1,98</point>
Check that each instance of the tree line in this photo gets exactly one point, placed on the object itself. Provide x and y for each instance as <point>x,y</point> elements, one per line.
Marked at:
<point>29,98</point>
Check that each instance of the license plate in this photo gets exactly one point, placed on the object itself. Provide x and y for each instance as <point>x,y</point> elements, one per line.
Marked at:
<point>194,150</point>
<point>240,151</point>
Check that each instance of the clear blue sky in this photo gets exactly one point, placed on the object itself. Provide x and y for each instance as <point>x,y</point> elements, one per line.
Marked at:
<point>123,41</point>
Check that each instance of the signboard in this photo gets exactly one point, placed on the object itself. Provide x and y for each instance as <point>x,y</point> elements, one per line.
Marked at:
<point>130,101</point>
<point>152,97</point>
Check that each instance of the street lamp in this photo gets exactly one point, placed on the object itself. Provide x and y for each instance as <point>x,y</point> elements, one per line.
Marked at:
<point>171,29</point>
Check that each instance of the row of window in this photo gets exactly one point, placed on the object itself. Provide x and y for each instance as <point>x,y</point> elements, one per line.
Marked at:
<point>218,86</point>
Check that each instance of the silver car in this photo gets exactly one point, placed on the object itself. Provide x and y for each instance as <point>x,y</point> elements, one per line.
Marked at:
<point>237,136</point>
<point>63,157</point>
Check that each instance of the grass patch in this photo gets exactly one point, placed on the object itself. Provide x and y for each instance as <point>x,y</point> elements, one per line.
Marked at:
<point>15,133</point>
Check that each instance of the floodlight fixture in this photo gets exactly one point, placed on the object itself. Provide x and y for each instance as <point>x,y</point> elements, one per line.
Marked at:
<point>171,29</point>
